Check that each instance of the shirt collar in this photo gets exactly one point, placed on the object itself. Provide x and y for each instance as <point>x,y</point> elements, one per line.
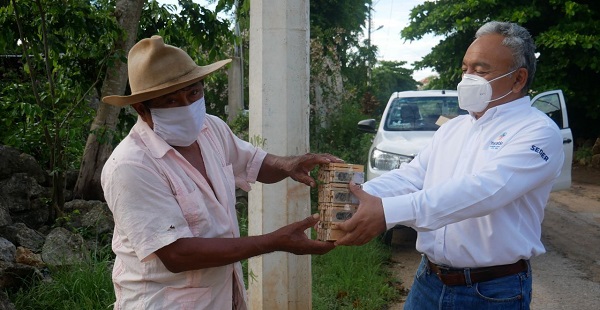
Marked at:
<point>155,144</point>
<point>509,107</point>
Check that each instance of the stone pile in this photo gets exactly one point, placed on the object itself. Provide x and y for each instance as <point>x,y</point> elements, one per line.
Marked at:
<point>28,245</point>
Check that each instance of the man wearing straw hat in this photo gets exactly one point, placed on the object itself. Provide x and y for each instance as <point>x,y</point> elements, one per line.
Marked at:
<point>170,185</point>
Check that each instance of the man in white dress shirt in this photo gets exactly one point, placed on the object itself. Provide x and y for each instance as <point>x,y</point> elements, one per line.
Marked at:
<point>476,194</point>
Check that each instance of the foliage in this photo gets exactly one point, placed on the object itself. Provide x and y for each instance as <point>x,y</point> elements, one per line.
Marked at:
<point>51,118</point>
<point>81,47</point>
<point>583,155</point>
<point>201,33</point>
<point>353,278</point>
<point>84,286</point>
<point>64,84</point>
<point>240,125</point>
<point>337,25</point>
<point>566,32</point>
<point>44,101</point>
<point>342,138</point>
<point>241,207</point>
<point>345,278</point>
<point>390,77</point>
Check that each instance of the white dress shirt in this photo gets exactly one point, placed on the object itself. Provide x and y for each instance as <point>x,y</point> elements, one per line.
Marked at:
<point>476,194</point>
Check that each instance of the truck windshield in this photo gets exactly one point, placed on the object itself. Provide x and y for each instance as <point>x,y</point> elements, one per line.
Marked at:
<point>420,113</point>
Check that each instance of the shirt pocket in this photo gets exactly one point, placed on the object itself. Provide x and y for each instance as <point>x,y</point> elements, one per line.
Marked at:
<point>188,298</point>
<point>195,211</point>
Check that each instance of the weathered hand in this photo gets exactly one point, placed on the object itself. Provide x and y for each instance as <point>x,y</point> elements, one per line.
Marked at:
<point>368,221</point>
<point>292,239</point>
<point>301,166</point>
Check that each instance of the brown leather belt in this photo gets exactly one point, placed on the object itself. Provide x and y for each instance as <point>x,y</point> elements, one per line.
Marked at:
<point>456,276</point>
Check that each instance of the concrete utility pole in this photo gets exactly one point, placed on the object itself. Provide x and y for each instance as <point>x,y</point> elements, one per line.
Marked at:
<point>279,107</point>
<point>236,75</point>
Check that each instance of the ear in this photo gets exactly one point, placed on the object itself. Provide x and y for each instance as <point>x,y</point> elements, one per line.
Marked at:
<point>144,112</point>
<point>521,80</point>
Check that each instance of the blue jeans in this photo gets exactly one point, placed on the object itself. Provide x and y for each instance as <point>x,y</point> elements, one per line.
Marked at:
<point>428,292</point>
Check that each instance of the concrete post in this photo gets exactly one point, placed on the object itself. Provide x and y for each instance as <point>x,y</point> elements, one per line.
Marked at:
<point>279,107</point>
<point>236,91</point>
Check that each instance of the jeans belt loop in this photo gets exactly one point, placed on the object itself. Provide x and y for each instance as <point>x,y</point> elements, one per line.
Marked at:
<point>467,272</point>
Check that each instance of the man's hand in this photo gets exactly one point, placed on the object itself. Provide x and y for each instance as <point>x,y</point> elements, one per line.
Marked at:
<point>301,166</point>
<point>197,253</point>
<point>276,168</point>
<point>368,221</point>
<point>292,239</point>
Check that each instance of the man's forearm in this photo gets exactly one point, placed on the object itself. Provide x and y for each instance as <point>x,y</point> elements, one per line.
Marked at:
<point>198,253</point>
<point>273,169</point>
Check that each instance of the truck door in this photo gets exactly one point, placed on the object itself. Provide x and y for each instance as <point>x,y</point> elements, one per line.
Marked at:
<point>553,104</point>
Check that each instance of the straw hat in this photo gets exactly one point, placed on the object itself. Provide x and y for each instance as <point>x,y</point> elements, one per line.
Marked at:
<point>156,69</point>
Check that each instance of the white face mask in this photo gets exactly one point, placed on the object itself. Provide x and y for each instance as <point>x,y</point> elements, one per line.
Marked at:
<point>180,126</point>
<point>475,92</point>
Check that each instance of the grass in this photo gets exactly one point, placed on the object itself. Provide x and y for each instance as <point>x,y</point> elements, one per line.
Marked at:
<point>353,278</point>
<point>85,286</point>
<point>345,278</point>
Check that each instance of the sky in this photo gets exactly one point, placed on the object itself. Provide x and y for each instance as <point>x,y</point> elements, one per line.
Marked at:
<point>393,16</point>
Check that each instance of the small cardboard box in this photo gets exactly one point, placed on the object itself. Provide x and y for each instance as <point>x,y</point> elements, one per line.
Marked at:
<point>341,176</point>
<point>343,167</point>
<point>337,214</point>
<point>325,232</point>
<point>336,193</point>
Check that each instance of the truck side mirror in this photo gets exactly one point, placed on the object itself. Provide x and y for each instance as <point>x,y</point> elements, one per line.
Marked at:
<point>367,125</point>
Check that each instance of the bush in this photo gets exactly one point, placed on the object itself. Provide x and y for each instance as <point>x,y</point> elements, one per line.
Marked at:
<point>84,286</point>
<point>583,155</point>
<point>342,137</point>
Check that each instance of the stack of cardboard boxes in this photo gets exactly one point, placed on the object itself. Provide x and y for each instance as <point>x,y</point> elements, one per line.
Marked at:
<point>336,203</point>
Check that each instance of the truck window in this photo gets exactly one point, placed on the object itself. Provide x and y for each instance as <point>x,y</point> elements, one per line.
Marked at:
<point>550,104</point>
<point>420,113</point>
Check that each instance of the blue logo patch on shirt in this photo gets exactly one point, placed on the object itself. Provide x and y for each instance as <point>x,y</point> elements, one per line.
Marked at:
<point>496,144</point>
<point>540,151</point>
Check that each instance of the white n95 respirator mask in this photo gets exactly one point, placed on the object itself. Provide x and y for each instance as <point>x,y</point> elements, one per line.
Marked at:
<point>475,92</point>
<point>180,126</point>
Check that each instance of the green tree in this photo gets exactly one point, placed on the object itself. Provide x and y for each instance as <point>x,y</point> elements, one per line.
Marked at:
<point>75,51</point>
<point>193,28</point>
<point>98,145</point>
<point>390,77</point>
<point>337,30</point>
<point>45,97</point>
<point>566,32</point>
<point>339,23</point>
<point>200,32</point>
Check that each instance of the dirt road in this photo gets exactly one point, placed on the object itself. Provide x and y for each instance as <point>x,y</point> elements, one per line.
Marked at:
<point>567,276</point>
